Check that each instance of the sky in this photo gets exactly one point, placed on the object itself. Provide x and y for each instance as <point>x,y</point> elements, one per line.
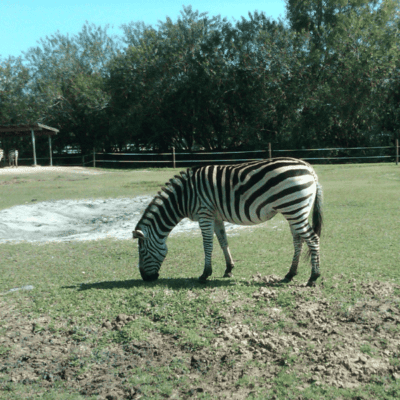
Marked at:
<point>24,22</point>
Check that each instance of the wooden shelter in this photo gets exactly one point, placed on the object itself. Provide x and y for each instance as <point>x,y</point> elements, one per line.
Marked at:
<point>33,130</point>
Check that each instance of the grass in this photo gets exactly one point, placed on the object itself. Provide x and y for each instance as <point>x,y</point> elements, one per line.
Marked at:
<point>21,189</point>
<point>79,285</point>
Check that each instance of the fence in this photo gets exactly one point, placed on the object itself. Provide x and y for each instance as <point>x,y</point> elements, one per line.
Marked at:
<point>183,159</point>
<point>144,159</point>
<point>64,160</point>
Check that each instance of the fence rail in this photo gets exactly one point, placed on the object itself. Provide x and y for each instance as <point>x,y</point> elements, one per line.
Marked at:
<point>172,158</point>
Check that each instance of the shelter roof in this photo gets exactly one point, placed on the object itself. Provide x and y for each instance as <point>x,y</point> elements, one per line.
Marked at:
<point>25,130</point>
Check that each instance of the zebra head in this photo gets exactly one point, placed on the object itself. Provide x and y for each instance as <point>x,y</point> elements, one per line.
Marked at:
<point>152,253</point>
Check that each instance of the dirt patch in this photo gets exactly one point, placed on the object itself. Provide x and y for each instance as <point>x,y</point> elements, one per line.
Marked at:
<point>324,341</point>
<point>77,220</point>
<point>15,181</point>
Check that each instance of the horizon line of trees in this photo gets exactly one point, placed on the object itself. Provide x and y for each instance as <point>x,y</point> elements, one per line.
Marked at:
<point>326,76</point>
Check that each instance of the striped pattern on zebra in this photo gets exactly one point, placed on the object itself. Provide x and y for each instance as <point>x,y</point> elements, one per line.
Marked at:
<point>13,157</point>
<point>244,194</point>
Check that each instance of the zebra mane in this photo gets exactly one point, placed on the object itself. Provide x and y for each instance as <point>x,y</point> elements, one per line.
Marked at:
<point>164,193</point>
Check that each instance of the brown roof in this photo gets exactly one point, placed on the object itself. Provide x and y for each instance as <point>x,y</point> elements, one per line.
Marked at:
<point>25,130</point>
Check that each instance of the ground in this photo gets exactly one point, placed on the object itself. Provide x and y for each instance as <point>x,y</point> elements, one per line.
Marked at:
<point>79,323</point>
<point>319,341</point>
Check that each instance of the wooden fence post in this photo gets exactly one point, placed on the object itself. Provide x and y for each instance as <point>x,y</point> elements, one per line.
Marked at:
<point>397,151</point>
<point>173,156</point>
<point>83,161</point>
<point>270,151</point>
<point>94,158</point>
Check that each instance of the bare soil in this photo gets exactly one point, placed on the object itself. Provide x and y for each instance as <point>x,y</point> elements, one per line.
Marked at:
<point>319,340</point>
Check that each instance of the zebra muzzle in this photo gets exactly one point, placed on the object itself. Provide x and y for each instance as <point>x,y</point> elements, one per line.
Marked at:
<point>148,278</point>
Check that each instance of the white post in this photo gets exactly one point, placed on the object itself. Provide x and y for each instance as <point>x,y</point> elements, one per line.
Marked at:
<point>34,148</point>
<point>173,157</point>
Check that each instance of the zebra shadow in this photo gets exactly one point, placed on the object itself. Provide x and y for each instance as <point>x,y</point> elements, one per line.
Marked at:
<point>168,283</point>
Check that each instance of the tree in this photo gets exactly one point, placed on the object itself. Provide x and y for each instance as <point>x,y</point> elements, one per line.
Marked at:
<point>17,100</point>
<point>347,70</point>
<point>68,78</point>
<point>202,81</point>
<point>168,84</point>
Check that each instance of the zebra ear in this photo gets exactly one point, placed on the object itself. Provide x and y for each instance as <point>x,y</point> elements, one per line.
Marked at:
<point>138,235</point>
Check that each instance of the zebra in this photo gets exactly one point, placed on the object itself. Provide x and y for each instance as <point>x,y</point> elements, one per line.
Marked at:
<point>245,194</point>
<point>13,157</point>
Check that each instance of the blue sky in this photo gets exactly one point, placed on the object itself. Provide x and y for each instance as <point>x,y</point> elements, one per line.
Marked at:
<point>24,22</point>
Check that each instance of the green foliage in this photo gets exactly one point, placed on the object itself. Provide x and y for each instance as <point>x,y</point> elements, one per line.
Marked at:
<point>67,77</point>
<point>17,100</point>
<point>352,57</point>
<point>367,349</point>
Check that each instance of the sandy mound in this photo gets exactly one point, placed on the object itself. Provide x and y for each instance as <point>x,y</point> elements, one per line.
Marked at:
<point>39,168</point>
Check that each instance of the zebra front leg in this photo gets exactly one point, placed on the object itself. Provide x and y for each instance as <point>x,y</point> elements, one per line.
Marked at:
<point>207,231</point>
<point>297,242</point>
<point>223,242</point>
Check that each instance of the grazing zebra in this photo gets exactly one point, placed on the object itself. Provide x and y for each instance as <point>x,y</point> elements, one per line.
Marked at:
<point>13,157</point>
<point>244,194</point>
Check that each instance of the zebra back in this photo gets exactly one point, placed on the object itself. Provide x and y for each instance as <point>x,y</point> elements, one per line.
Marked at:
<point>243,194</point>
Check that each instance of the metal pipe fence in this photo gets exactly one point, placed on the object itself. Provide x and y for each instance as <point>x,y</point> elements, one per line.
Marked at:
<point>171,159</point>
<point>56,161</point>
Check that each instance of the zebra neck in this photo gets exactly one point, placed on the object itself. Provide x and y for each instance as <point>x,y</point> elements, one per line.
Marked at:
<point>160,217</point>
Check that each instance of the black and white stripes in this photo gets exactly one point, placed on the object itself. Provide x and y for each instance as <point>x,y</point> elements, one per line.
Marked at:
<point>13,157</point>
<point>244,194</point>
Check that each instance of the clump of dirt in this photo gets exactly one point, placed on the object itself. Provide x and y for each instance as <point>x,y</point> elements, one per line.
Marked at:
<point>118,323</point>
<point>324,339</point>
<point>15,181</point>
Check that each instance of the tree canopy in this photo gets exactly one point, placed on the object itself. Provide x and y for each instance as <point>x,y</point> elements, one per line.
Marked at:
<point>326,75</point>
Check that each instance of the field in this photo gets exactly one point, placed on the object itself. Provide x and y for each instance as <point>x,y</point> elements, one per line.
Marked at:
<point>92,329</point>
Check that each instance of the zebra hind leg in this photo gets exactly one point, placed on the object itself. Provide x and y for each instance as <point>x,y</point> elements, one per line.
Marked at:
<point>219,230</point>
<point>313,245</point>
<point>297,242</point>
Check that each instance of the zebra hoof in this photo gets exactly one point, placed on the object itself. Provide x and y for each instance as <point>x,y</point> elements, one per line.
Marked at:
<point>203,279</point>
<point>228,275</point>
<point>313,278</point>
<point>288,278</point>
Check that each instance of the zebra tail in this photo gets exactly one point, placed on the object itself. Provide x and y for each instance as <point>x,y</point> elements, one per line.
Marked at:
<point>317,212</point>
<point>317,216</point>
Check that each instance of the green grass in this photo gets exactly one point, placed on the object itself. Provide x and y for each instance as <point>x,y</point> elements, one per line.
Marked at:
<point>21,189</point>
<point>79,285</point>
